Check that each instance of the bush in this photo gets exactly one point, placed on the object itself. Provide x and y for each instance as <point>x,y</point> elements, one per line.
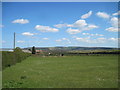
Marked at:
<point>11,58</point>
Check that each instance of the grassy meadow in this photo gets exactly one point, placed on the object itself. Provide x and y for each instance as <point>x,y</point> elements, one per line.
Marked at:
<point>63,72</point>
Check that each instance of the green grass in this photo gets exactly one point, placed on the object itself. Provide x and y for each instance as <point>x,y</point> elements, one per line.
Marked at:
<point>0,79</point>
<point>63,72</point>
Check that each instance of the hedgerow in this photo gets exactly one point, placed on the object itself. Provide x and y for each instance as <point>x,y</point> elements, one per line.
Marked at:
<point>11,58</point>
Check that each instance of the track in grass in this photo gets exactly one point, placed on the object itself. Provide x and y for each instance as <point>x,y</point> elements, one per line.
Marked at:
<point>63,72</point>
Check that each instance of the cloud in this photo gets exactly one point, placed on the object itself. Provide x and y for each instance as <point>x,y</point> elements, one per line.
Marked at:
<point>103,15</point>
<point>117,13</point>
<point>114,22</point>
<point>45,28</point>
<point>90,26</point>
<point>89,40</point>
<point>45,38</point>
<point>113,39</point>
<point>60,25</point>
<point>86,15</point>
<point>59,40</point>
<point>97,40</point>
<point>63,39</point>
<point>3,41</point>
<point>112,29</point>
<point>21,21</point>
<point>83,39</point>
<point>114,25</point>
<point>100,40</point>
<point>63,25</point>
<point>1,26</point>
<point>28,34</point>
<point>20,41</point>
<point>73,31</point>
<point>80,23</point>
<point>92,34</point>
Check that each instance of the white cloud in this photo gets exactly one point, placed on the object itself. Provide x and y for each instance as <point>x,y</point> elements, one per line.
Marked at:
<point>3,41</point>
<point>113,39</point>
<point>89,40</point>
<point>83,39</point>
<point>92,34</point>
<point>21,21</point>
<point>59,40</point>
<point>80,23</point>
<point>103,15</point>
<point>82,26</point>
<point>114,25</point>
<point>63,25</point>
<point>45,38</point>
<point>101,40</point>
<point>60,25</point>
<point>73,31</point>
<point>117,13</point>
<point>97,40</point>
<point>28,34</point>
<point>63,39</point>
<point>86,33</point>
<point>98,34</point>
<point>20,41</point>
<point>1,26</point>
<point>45,28</point>
<point>80,39</point>
<point>114,22</point>
<point>112,29</point>
<point>86,15</point>
<point>90,26</point>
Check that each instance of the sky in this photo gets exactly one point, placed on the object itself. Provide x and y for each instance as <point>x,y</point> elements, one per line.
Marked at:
<point>50,24</point>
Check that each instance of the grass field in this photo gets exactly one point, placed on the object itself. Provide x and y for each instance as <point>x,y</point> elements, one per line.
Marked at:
<point>63,72</point>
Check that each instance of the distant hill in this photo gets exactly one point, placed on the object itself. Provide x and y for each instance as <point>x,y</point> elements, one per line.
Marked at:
<point>72,48</point>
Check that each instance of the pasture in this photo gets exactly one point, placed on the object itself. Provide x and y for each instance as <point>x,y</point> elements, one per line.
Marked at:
<point>63,72</point>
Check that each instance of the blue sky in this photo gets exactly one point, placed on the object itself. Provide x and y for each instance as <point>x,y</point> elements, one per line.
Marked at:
<point>43,24</point>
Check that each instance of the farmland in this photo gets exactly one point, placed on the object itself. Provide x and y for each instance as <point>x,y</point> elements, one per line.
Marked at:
<point>63,72</point>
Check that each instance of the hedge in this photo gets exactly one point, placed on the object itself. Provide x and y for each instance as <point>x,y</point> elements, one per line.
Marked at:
<point>11,58</point>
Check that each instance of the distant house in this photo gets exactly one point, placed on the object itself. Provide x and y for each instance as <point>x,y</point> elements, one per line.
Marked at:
<point>39,51</point>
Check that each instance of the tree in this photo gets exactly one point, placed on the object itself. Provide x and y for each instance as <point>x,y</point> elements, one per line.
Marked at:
<point>33,50</point>
<point>18,50</point>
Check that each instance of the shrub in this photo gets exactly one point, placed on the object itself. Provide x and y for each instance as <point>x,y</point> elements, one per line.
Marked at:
<point>11,58</point>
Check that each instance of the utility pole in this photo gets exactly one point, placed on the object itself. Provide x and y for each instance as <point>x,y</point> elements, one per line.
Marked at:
<point>14,40</point>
